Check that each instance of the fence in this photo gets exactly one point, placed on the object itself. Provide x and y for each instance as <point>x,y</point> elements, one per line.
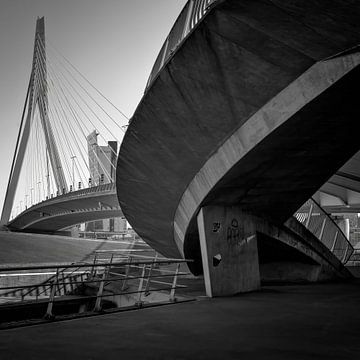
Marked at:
<point>315,219</point>
<point>191,14</point>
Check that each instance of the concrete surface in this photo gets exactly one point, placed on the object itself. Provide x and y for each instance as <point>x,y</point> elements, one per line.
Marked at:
<point>319,321</point>
<point>22,248</point>
<point>229,250</point>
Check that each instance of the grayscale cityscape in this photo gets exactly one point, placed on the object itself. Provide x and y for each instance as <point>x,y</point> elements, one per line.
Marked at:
<point>181,179</point>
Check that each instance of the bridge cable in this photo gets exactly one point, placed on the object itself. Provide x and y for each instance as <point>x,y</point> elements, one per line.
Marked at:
<point>102,95</point>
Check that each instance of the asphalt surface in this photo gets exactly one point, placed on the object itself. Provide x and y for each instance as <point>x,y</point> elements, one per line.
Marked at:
<point>319,321</point>
<point>21,248</point>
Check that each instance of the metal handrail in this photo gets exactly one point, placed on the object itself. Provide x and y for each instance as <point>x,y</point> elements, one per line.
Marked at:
<point>190,16</point>
<point>105,277</point>
<point>42,267</point>
<point>320,223</point>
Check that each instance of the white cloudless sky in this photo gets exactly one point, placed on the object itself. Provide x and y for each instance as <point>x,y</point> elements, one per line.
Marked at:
<point>114,43</point>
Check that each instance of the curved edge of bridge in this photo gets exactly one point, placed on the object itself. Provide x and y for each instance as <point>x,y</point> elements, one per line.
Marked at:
<point>69,209</point>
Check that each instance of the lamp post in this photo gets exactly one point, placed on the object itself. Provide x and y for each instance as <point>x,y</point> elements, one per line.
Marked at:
<point>39,190</point>
<point>73,171</point>
<point>31,195</point>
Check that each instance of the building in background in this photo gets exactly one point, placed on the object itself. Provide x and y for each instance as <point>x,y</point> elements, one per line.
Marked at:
<point>102,165</point>
<point>102,160</point>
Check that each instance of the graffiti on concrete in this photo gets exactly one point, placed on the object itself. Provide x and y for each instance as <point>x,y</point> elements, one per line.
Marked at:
<point>216,227</point>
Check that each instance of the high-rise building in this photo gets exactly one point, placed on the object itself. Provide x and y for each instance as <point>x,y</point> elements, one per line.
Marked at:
<point>102,165</point>
<point>102,160</point>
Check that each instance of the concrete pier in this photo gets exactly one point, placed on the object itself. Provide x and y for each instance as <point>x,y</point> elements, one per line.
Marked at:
<point>229,250</point>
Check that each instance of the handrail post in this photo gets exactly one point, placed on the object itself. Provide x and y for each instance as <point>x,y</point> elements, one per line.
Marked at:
<point>346,250</point>
<point>101,286</point>
<point>188,17</point>
<point>93,270</point>
<point>173,287</point>
<point>309,215</point>
<point>97,306</point>
<point>49,315</point>
<point>139,302</point>
<point>163,58</point>
<point>322,228</point>
<point>127,271</point>
<point>149,276</point>
<point>334,243</point>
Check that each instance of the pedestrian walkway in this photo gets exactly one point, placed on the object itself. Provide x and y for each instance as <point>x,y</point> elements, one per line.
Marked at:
<point>319,321</point>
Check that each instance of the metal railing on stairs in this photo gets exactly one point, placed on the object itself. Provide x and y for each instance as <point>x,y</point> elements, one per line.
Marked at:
<point>316,220</point>
<point>114,278</point>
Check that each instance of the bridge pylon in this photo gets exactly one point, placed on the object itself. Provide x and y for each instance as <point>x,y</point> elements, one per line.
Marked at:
<point>36,97</point>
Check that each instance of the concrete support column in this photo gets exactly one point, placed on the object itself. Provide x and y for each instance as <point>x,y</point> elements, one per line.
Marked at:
<point>229,250</point>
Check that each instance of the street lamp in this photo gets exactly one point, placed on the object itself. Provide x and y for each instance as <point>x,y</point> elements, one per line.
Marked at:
<point>73,170</point>
<point>39,190</point>
<point>31,196</point>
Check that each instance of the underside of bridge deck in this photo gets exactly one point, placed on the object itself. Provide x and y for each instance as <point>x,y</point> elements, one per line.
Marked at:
<point>237,73</point>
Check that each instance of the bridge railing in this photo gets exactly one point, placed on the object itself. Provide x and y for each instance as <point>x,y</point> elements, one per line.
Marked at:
<point>191,14</point>
<point>316,220</point>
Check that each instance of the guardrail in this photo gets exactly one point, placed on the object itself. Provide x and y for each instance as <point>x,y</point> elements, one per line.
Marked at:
<point>316,220</point>
<point>114,275</point>
<point>191,14</point>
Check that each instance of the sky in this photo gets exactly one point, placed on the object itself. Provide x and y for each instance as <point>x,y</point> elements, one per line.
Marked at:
<point>114,43</point>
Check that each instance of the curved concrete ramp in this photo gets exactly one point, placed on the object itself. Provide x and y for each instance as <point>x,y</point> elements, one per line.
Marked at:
<point>227,78</point>
<point>239,59</point>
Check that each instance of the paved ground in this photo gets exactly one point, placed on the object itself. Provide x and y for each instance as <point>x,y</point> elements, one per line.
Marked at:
<point>21,248</point>
<point>291,322</point>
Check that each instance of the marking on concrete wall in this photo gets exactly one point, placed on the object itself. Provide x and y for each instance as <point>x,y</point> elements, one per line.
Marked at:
<point>216,226</point>
<point>233,233</point>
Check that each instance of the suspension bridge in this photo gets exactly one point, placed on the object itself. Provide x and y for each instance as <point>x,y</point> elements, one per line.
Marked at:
<point>63,170</point>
